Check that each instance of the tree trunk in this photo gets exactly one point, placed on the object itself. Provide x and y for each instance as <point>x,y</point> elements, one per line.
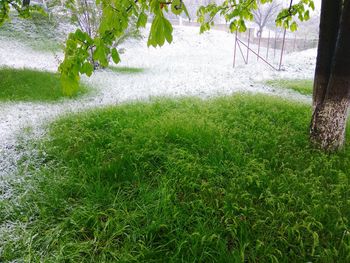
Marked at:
<point>329,27</point>
<point>328,125</point>
<point>332,77</point>
<point>259,33</point>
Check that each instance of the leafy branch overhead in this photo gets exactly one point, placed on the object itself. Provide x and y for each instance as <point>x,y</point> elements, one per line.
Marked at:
<point>237,12</point>
<point>116,16</point>
<point>23,8</point>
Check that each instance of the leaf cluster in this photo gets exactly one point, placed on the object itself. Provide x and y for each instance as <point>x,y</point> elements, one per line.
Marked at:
<point>24,10</point>
<point>237,12</point>
<point>301,10</point>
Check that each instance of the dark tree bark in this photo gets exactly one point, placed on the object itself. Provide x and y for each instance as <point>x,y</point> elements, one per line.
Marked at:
<point>25,3</point>
<point>331,97</point>
<point>329,26</point>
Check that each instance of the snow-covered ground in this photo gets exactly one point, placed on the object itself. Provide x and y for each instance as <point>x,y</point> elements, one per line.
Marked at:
<point>193,65</point>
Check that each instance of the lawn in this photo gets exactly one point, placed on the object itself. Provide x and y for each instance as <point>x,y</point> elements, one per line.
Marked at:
<point>224,180</point>
<point>32,85</point>
<point>303,86</point>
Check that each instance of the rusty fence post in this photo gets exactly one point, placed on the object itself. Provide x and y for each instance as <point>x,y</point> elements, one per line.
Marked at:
<point>259,46</point>
<point>235,51</point>
<point>295,40</point>
<point>275,46</point>
<point>248,46</point>
<point>282,50</point>
<point>268,46</point>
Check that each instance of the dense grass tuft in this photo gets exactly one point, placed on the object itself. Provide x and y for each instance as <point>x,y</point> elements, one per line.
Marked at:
<point>126,70</point>
<point>226,180</point>
<point>303,86</point>
<point>31,85</point>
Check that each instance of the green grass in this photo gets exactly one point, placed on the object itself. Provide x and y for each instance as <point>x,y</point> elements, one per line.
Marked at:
<point>226,180</point>
<point>126,70</point>
<point>31,85</point>
<point>303,86</point>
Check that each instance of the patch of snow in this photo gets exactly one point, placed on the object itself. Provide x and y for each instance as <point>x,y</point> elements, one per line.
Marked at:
<point>193,65</point>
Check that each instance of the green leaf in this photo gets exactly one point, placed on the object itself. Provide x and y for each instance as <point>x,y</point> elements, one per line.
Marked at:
<point>294,26</point>
<point>87,69</point>
<point>80,35</point>
<point>233,26</point>
<point>307,15</point>
<point>168,30</point>
<point>242,27</point>
<point>176,7</point>
<point>115,56</point>
<point>69,83</point>
<point>142,20</point>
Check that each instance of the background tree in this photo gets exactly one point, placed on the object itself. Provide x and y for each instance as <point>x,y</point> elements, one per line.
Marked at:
<point>265,14</point>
